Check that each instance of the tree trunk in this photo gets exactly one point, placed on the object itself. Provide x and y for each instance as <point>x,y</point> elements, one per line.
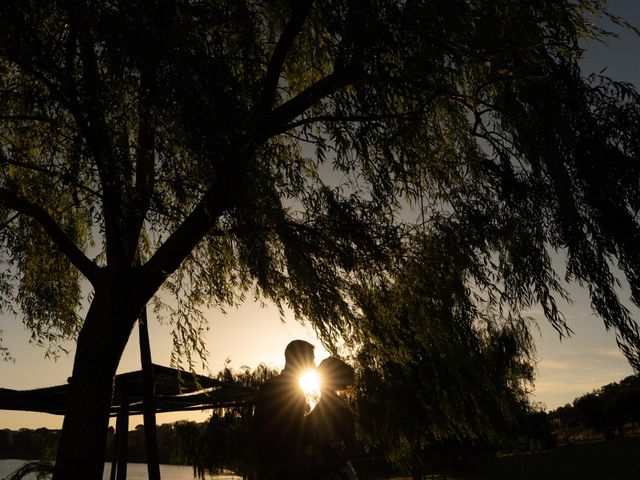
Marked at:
<point>81,451</point>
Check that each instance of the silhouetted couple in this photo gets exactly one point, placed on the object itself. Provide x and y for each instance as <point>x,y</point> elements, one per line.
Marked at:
<point>291,442</point>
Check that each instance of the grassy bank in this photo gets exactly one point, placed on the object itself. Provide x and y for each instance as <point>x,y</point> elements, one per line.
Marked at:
<point>610,460</point>
<point>603,460</point>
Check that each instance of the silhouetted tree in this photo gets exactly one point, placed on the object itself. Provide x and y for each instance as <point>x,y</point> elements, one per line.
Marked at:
<point>222,442</point>
<point>439,373</point>
<point>6,441</point>
<point>606,410</point>
<point>216,148</point>
<point>39,444</point>
<point>591,410</point>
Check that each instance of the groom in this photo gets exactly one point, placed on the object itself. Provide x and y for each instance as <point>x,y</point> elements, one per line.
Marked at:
<point>278,417</point>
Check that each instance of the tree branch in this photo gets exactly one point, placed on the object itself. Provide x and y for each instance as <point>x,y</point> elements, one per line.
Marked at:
<point>31,70</point>
<point>145,174</point>
<point>70,45</point>
<point>38,168</point>
<point>68,248</point>
<point>98,138</point>
<point>9,221</point>
<point>276,121</point>
<point>169,256</point>
<point>349,118</point>
<point>35,118</point>
<point>300,11</point>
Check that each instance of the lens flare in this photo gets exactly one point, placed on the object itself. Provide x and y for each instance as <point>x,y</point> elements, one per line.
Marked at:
<point>310,385</point>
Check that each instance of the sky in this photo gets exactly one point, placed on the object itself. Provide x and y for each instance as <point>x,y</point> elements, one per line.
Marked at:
<point>252,334</point>
<point>590,358</point>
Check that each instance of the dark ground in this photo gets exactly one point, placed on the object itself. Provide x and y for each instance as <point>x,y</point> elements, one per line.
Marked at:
<point>610,460</point>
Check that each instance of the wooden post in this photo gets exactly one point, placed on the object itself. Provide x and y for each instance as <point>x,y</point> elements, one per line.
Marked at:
<point>122,431</point>
<point>114,460</point>
<point>148,399</point>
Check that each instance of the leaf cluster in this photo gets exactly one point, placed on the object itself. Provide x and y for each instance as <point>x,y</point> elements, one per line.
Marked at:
<point>298,151</point>
<point>441,364</point>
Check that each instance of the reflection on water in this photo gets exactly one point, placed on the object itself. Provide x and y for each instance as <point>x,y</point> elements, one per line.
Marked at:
<point>135,471</point>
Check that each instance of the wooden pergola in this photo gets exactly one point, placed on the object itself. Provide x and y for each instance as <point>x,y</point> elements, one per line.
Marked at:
<point>175,391</point>
<point>153,389</point>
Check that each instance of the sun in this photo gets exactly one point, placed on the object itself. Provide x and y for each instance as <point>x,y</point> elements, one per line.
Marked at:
<point>310,385</point>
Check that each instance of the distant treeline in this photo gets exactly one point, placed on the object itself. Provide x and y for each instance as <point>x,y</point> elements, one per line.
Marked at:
<point>28,444</point>
<point>612,410</point>
<point>174,443</point>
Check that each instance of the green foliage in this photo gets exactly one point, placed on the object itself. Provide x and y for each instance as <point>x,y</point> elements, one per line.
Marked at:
<point>5,355</point>
<point>443,367</point>
<point>223,442</point>
<point>130,122</point>
<point>226,436</point>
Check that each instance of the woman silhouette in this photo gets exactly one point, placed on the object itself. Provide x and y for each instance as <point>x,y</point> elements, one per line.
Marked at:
<point>330,427</point>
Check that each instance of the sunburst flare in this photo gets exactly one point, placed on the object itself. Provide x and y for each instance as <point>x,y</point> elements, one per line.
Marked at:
<point>310,385</point>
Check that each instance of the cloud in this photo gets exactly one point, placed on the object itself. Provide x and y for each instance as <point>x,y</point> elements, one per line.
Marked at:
<point>538,314</point>
<point>578,387</point>
<point>551,364</point>
<point>583,359</point>
<point>569,373</point>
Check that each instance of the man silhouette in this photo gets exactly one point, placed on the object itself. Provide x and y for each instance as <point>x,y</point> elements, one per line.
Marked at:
<point>278,418</point>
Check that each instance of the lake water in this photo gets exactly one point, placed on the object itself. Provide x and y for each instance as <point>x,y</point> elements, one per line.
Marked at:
<point>135,471</point>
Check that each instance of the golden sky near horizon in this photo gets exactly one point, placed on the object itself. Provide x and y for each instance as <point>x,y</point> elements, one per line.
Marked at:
<point>250,335</point>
